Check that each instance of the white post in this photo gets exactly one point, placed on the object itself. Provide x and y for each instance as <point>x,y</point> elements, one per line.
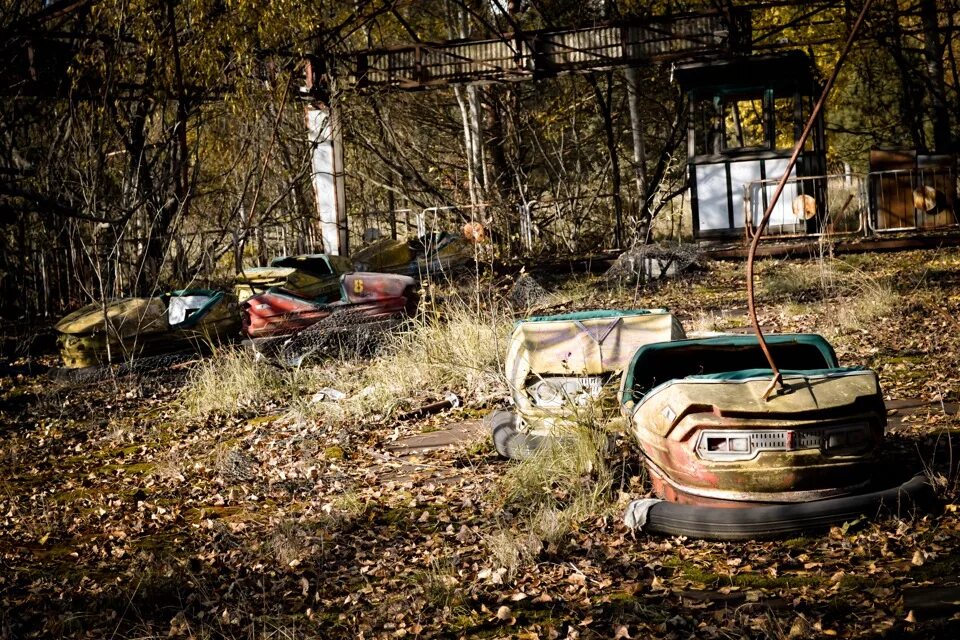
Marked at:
<point>327,177</point>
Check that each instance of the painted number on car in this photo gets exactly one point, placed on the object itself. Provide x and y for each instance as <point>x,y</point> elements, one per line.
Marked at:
<point>358,286</point>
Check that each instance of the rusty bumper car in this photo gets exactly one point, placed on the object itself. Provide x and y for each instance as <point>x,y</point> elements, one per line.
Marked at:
<point>430,254</point>
<point>557,365</point>
<point>311,276</point>
<point>281,324</point>
<point>126,329</point>
<point>726,463</point>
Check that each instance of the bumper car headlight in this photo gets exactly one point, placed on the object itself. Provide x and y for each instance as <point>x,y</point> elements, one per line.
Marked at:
<point>553,393</point>
<point>734,445</point>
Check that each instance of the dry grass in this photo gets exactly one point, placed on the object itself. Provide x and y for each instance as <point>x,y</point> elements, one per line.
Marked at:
<point>511,550</point>
<point>710,323</point>
<point>856,298</point>
<point>868,301</point>
<point>343,508</point>
<point>572,467</point>
<point>439,583</point>
<point>704,323</point>
<point>230,382</point>
<point>171,466</point>
<point>288,543</point>
<point>453,349</point>
<point>550,524</point>
<point>457,351</point>
<point>800,280</point>
<point>553,492</point>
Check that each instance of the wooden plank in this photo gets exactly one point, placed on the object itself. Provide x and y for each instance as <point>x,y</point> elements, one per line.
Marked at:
<point>930,601</point>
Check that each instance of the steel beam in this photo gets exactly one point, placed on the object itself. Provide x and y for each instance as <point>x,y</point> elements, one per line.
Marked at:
<point>546,53</point>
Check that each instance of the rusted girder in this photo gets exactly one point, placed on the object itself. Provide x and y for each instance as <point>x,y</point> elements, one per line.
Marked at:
<point>528,55</point>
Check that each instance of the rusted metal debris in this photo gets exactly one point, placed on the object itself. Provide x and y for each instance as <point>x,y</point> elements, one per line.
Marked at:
<point>648,262</point>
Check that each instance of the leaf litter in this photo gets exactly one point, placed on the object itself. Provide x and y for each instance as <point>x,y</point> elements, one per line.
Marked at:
<point>121,517</point>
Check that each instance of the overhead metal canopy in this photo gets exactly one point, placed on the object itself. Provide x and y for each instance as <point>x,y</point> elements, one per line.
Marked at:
<point>550,52</point>
<point>784,72</point>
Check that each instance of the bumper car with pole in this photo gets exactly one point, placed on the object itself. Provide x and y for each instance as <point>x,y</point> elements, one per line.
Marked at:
<point>728,463</point>
<point>739,448</point>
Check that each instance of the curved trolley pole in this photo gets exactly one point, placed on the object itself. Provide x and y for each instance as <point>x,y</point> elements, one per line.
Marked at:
<point>798,147</point>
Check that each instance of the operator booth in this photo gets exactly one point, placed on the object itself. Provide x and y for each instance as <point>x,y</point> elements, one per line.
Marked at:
<point>746,114</point>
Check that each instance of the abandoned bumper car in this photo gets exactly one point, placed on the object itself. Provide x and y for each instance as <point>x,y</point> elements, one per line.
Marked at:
<point>432,253</point>
<point>558,365</point>
<point>279,323</point>
<point>128,328</point>
<point>311,276</point>
<point>727,463</point>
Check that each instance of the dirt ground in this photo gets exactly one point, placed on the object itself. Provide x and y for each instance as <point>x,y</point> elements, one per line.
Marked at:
<point>123,515</point>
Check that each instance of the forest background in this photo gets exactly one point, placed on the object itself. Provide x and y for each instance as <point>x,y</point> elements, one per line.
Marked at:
<point>172,145</point>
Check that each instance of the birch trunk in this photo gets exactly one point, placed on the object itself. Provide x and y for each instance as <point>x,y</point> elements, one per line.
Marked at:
<point>469,102</point>
<point>467,144</point>
<point>476,138</point>
<point>639,147</point>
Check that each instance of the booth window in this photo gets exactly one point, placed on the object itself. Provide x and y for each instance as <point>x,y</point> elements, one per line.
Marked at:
<point>706,123</point>
<point>744,123</point>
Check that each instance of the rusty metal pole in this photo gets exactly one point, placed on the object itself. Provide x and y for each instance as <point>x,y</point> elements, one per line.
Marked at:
<point>798,147</point>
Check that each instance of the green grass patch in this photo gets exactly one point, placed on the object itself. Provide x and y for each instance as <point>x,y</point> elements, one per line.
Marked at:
<point>748,579</point>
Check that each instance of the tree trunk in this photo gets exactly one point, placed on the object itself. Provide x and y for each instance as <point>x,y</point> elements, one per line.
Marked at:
<point>639,148</point>
<point>606,112</point>
<point>911,94</point>
<point>467,146</point>
<point>933,54</point>
<point>469,101</point>
<point>476,138</point>
<point>954,70</point>
<point>178,203</point>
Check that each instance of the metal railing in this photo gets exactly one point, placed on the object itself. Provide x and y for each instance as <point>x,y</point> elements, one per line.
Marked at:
<point>413,223</point>
<point>855,204</point>
<point>834,205</point>
<point>568,225</point>
<point>549,52</point>
<point>907,200</point>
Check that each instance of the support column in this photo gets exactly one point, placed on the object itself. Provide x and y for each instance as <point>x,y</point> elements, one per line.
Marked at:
<point>327,176</point>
